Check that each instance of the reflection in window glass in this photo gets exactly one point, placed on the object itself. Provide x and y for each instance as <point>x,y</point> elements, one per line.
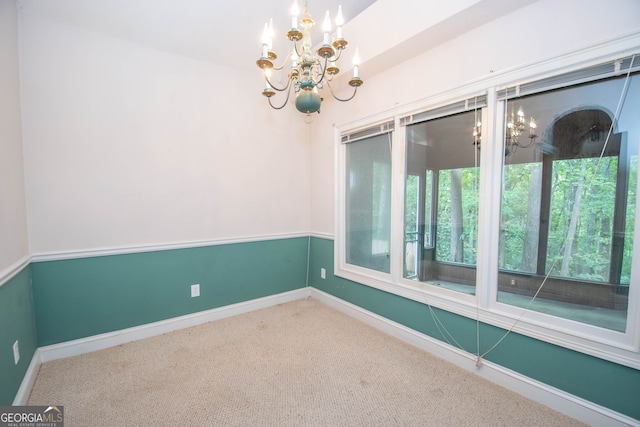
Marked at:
<point>457,214</point>
<point>411,225</point>
<point>428,208</point>
<point>441,202</point>
<point>417,221</point>
<point>625,276</point>
<point>368,202</point>
<point>568,202</point>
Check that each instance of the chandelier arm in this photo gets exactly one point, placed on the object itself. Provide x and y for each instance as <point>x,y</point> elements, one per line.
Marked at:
<point>295,47</point>
<point>355,89</point>
<point>531,141</point>
<point>324,69</point>
<point>286,60</point>
<point>277,88</point>
<point>285,101</point>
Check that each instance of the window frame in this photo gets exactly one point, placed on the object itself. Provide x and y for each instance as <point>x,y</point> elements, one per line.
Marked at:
<point>618,347</point>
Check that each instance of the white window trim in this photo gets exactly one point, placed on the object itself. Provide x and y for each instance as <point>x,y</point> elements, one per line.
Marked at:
<point>618,347</point>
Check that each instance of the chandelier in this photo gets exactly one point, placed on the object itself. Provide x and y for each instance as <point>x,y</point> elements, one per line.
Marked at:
<point>306,71</point>
<point>516,127</point>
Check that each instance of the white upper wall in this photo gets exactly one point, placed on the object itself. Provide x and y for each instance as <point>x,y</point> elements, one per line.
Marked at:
<point>13,220</point>
<point>128,146</point>
<point>540,31</point>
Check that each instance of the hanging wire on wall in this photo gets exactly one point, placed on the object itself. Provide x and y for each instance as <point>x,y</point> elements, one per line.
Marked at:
<point>446,335</point>
<point>477,134</point>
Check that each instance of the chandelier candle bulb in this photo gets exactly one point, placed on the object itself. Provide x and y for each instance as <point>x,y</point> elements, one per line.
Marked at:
<point>339,23</point>
<point>532,128</point>
<point>294,15</point>
<point>270,34</point>
<point>356,63</point>
<point>267,76</point>
<point>265,40</point>
<point>326,28</point>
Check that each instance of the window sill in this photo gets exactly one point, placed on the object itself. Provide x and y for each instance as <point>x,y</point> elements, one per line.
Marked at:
<point>599,342</point>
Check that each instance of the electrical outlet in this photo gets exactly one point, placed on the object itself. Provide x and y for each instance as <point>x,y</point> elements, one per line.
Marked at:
<point>195,290</point>
<point>513,281</point>
<point>16,352</point>
<point>323,273</point>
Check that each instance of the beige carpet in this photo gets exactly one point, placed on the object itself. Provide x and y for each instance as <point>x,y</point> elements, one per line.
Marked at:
<point>295,364</point>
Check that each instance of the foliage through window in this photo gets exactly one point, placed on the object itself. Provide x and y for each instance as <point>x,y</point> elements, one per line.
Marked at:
<point>568,205</point>
<point>441,202</point>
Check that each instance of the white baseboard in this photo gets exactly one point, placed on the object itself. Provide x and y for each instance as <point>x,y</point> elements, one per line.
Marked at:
<point>111,339</point>
<point>29,379</point>
<point>563,402</point>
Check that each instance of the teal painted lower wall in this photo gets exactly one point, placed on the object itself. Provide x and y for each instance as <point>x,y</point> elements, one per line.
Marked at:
<point>605,383</point>
<point>17,322</point>
<point>78,298</point>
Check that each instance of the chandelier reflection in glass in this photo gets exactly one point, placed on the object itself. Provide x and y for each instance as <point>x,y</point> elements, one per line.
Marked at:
<point>516,127</point>
<point>477,131</point>
<point>307,71</point>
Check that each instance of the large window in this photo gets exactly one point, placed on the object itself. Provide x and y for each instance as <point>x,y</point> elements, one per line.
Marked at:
<point>515,205</point>
<point>368,202</point>
<point>569,202</point>
<point>441,202</point>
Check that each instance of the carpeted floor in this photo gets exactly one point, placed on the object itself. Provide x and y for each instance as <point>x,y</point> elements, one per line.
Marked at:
<point>295,364</point>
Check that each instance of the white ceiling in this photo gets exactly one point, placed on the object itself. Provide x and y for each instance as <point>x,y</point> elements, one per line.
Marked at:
<point>228,33</point>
